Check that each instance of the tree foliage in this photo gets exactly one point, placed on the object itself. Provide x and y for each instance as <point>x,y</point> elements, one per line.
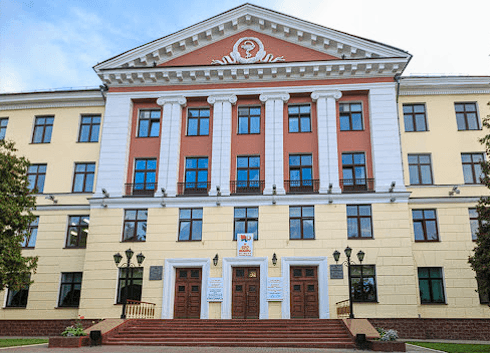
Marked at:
<point>480,260</point>
<point>16,205</point>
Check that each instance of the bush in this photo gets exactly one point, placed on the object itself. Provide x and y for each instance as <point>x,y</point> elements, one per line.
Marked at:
<point>387,335</point>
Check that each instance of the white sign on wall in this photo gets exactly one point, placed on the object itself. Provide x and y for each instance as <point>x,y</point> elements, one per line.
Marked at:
<point>245,244</point>
<point>215,289</point>
<point>275,290</point>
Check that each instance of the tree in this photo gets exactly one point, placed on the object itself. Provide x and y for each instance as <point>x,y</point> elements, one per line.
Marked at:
<point>480,261</point>
<point>16,205</point>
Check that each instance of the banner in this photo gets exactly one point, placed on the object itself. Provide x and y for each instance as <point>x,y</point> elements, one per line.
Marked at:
<point>245,244</point>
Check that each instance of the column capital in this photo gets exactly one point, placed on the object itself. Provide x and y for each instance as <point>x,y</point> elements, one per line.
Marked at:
<point>315,95</point>
<point>284,96</point>
<point>172,99</point>
<point>231,98</point>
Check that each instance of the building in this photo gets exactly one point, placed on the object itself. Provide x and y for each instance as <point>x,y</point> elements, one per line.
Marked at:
<point>261,123</point>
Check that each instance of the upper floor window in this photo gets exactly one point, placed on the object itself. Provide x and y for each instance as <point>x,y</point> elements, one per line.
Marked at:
<point>350,117</point>
<point>190,224</point>
<point>363,283</point>
<point>197,121</point>
<point>83,180</point>
<point>31,235</point>
<point>3,127</point>
<point>18,298</point>
<point>130,284</point>
<point>420,169</point>
<point>299,118</point>
<point>145,176</point>
<point>359,222</point>
<point>70,288</point>
<point>89,128</point>
<point>249,120</point>
<point>248,171</point>
<point>246,221</point>
<point>467,116</point>
<point>43,127</point>
<point>300,170</point>
<point>354,171</point>
<point>77,231</point>
<point>36,174</point>
<point>472,167</point>
<point>135,225</point>
<point>196,174</point>
<point>301,222</point>
<point>431,285</point>
<point>415,118</point>
<point>474,223</point>
<point>425,225</point>
<point>149,123</point>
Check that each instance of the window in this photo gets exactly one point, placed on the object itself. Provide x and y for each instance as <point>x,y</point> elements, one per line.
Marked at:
<point>246,221</point>
<point>420,170</point>
<point>301,222</point>
<point>145,176</point>
<point>350,116</point>
<point>299,118</point>
<point>3,127</point>
<point>414,116</point>
<point>249,120</point>
<point>135,225</point>
<point>484,298</point>
<point>149,123</point>
<point>36,173</point>
<point>77,231</point>
<point>31,236</point>
<point>190,224</point>
<point>89,128</point>
<point>18,298</point>
<point>300,170</point>
<point>134,285</point>
<point>466,116</point>
<point>425,225</point>
<point>359,223</point>
<point>431,285</point>
<point>71,286</point>
<point>83,180</point>
<point>43,127</point>
<point>363,283</point>
<point>354,171</point>
<point>248,172</point>
<point>197,121</point>
<point>474,223</point>
<point>472,167</point>
<point>196,174</point>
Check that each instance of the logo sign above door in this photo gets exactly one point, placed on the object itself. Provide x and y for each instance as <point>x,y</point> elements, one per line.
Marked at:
<point>245,244</point>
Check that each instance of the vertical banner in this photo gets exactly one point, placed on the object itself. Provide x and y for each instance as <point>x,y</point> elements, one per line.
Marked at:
<point>245,244</point>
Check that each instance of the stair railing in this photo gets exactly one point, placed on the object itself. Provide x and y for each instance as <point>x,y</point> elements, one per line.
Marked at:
<point>343,309</point>
<point>140,310</point>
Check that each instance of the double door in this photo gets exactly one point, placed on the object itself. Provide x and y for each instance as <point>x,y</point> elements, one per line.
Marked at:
<point>304,292</point>
<point>188,283</point>
<point>246,292</point>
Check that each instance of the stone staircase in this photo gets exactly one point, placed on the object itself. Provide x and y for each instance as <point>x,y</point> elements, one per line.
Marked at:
<point>301,333</point>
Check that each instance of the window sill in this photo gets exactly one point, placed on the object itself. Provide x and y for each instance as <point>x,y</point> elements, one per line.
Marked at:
<point>360,238</point>
<point>303,239</point>
<point>39,143</point>
<point>147,137</point>
<point>75,247</point>
<point>14,307</point>
<point>66,307</point>
<point>417,131</point>
<point>433,303</point>
<point>428,241</point>
<point>300,132</point>
<point>87,141</point>
<point>29,248</point>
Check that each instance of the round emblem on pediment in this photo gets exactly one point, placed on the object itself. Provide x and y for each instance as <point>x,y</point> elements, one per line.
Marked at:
<point>248,50</point>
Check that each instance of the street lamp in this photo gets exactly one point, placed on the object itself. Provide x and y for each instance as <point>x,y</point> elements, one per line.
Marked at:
<point>348,263</point>
<point>117,260</point>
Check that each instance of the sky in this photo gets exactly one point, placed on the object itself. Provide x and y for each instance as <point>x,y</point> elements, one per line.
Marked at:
<point>51,44</point>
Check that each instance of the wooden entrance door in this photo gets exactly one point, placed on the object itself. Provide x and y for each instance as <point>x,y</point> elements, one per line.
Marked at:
<point>246,292</point>
<point>304,292</point>
<point>187,293</point>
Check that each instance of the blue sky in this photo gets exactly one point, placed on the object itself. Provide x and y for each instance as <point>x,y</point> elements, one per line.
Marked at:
<point>48,44</point>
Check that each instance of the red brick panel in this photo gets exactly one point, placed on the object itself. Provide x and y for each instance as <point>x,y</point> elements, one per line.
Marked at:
<point>38,328</point>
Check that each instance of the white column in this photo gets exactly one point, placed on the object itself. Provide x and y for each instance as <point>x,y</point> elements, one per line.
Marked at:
<point>274,161</point>
<point>328,166</point>
<point>221,160</point>
<point>385,139</point>
<point>168,169</point>
<point>114,145</point>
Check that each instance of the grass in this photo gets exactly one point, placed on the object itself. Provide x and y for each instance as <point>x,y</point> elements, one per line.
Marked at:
<point>11,342</point>
<point>455,347</point>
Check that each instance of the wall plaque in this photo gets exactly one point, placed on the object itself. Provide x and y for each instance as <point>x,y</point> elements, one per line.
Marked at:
<point>275,289</point>
<point>156,273</point>
<point>336,271</point>
<point>215,289</point>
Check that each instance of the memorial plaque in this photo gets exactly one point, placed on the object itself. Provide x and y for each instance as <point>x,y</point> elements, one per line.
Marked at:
<point>275,289</point>
<point>156,273</point>
<point>215,290</point>
<point>336,271</point>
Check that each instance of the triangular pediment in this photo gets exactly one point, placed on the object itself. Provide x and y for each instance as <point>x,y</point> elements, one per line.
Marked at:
<point>273,38</point>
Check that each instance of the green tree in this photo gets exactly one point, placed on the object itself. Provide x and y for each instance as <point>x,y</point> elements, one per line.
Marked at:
<point>16,205</point>
<point>480,260</point>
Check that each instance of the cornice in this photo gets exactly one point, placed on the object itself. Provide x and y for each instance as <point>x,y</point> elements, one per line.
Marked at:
<point>444,199</point>
<point>444,85</point>
<point>91,98</point>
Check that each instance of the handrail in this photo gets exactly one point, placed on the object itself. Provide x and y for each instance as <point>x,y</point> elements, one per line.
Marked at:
<point>343,309</point>
<point>136,309</point>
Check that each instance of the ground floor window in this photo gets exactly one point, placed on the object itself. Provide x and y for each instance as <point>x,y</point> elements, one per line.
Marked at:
<point>431,285</point>
<point>363,283</point>
<point>18,298</point>
<point>130,284</point>
<point>71,286</point>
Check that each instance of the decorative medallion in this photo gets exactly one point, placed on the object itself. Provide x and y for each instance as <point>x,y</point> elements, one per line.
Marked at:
<point>248,50</point>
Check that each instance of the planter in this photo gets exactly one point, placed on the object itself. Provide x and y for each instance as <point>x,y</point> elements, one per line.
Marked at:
<point>68,342</point>
<point>388,346</point>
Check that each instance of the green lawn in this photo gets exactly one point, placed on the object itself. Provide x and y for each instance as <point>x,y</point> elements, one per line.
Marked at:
<point>10,342</point>
<point>455,347</point>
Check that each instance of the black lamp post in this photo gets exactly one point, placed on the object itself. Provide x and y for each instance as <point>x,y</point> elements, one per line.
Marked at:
<point>117,259</point>
<point>348,263</point>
